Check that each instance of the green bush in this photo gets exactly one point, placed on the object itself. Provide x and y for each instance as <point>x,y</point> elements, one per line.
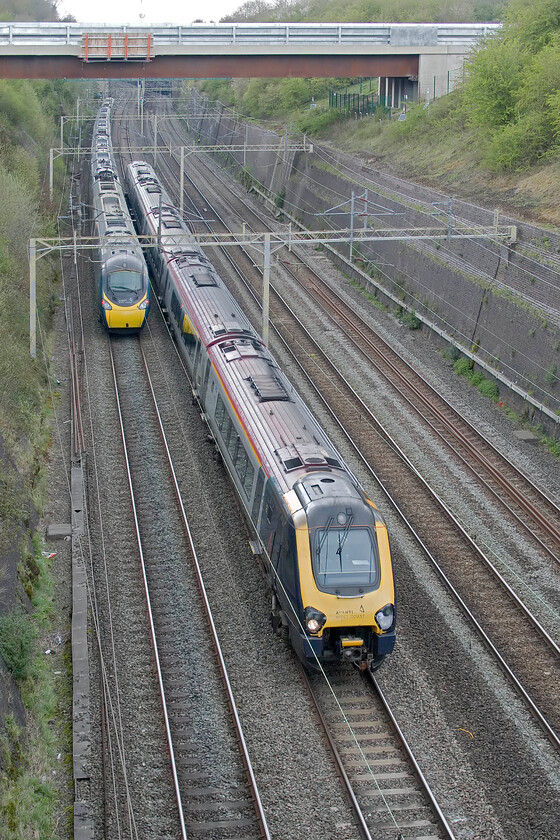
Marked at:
<point>520,144</point>
<point>280,197</point>
<point>494,75</point>
<point>318,119</point>
<point>476,378</point>
<point>463,366</point>
<point>550,376</point>
<point>411,320</point>
<point>17,636</point>
<point>488,388</point>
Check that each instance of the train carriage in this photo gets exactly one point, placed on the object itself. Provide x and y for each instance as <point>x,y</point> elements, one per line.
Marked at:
<point>122,281</point>
<point>325,544</point>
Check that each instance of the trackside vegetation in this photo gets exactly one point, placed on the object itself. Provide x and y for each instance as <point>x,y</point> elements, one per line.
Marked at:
<point>29,120</point>
<point>495,138</point>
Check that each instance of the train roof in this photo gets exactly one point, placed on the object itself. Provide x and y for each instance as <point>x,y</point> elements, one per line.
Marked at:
<point>284,434</point>
<point>111,216</point>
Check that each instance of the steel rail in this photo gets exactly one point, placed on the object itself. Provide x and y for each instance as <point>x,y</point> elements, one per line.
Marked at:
<point>210,618</point>
<point>427,789</point>
<point>149,606</point>
<point>353,323</point>
<point>341,771</point>
<point>259,810</point>
<point>540,629</point>
<point>547,521</point>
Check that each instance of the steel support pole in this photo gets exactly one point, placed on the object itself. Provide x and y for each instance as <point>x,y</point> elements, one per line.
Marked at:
<point>155,138</point>
<point>51,174</point>
<point>32,297</point>
<point>182,182</point>
<point>266,287</point>
<point>351,225</point>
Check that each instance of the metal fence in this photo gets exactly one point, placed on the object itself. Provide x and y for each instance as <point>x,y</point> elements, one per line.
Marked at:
<point>359,103</point>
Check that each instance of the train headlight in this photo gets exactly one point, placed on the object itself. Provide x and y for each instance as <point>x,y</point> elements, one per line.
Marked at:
<point>144,304</point>
<point>385,617</point>
<point>314,620</point>
<point>105,304</point>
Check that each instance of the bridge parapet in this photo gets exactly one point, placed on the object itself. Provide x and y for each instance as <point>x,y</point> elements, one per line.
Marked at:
<point>403,35</point>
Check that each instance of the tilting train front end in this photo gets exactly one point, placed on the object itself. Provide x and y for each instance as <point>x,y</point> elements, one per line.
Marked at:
<point>123,290</point>
<point>332,573</point>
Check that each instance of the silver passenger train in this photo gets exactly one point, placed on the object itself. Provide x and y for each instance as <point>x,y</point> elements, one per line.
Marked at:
<point>122,281</point>
<point>324,543</point>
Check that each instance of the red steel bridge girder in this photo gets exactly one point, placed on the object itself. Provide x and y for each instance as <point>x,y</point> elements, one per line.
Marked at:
<point>210,66</point>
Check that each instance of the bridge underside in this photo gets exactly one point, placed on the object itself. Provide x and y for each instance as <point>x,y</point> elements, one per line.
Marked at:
<point>210,66</point>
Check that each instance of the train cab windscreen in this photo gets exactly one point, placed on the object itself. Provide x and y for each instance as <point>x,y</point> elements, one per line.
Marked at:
<point>345,558</point>
<point>124,282</point>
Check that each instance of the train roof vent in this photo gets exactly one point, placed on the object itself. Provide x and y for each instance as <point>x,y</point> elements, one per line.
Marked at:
<point>230,351</point>
<point>311,455</point>
<point>170,220</point>
<point>289,458</point>
<point>268,387</point>
<point>203,278</point>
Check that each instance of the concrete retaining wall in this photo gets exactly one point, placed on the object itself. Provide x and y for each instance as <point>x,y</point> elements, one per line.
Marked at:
<point>485,295</point>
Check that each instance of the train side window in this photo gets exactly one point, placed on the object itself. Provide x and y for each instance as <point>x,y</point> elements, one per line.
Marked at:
<point>241,461</point>
<point>176,308</point>
<point>269,511</point>
<point>206,376</point>
<point>232,444</point>
<point>287,559</point>
<point>244,468</point>
<point>227,429</point>
<point>258,494</point>
<point>234,447</point>
<point>248,480</point>
<point>220,413</point>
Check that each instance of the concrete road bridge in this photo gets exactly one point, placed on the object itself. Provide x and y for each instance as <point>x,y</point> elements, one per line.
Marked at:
<point>407,57</point>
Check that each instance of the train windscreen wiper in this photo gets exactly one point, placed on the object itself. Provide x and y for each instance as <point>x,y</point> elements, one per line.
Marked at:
<point>324,537</point>
<point>342,537</point>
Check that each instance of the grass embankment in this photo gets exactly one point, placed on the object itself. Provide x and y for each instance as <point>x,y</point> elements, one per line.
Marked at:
<point>29,116</point>
<point>495,140</point>
<point>437,147</point>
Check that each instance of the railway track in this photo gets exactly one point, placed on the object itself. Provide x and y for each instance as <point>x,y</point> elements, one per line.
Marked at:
<point>294,339</point>
<point>214,791</point>
<point>528,653</point>
<point>426,817</point>
<point>171,759</point>
<point>390,793</point>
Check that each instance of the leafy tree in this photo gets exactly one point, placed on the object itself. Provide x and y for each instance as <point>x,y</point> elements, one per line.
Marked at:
<point>533,24</point>
<point>24,10</point>
<point>494,74</point>
<point>324,11</point>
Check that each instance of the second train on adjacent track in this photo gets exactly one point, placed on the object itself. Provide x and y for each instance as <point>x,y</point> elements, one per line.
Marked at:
<point>324,543</point>
<point>122,281</point>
